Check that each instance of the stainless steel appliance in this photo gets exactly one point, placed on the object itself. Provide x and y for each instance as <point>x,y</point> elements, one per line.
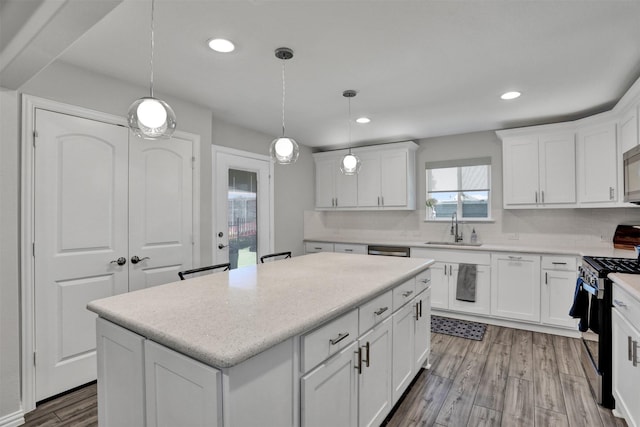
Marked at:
<point>596,344</point>
<point>401,251</point>
<point>631,172</point>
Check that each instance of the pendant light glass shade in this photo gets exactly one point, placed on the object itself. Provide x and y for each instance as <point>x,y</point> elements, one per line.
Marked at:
<point>284,150</point>
<point>149,117</point>
<point>350,164</point>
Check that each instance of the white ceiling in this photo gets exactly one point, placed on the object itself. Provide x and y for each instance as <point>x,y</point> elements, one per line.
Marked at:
<point>421,68</point>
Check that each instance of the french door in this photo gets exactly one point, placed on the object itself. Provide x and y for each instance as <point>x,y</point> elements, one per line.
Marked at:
<point>242,207</point>
<point>111,214</point>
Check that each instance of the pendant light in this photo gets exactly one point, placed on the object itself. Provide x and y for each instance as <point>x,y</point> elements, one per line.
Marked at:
<point>350,164</point>
<point>149,117</point>
<point>284,150</point>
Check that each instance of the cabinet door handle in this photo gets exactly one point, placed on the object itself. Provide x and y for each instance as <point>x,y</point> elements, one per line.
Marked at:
<point>445,270</point>
<point>340,338</point>
<point>382,198</point>
<point>542,195</point>
<point>406,294</point>
<point>367,353</point>
<point>380,311</point>
<point>336,202</point>
<point>536,197</point>
<point>359,366</point>
<point>619,303</point>
<point>378,200</point>
<point>546,278</point>
<point>611,193</point>
<point>629,351</point>
<point>450,270</point>
<point>417,311</point>
<point>420,311</point>
<point>635,354</point>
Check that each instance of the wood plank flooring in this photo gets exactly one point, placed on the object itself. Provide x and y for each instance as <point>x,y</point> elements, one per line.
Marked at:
<point>510,378</point>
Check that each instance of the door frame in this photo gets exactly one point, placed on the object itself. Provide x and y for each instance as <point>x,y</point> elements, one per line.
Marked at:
<point>27,222</point>
<point>215,149</point>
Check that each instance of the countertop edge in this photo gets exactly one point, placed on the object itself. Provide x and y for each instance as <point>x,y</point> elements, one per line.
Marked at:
<point>629,282</point>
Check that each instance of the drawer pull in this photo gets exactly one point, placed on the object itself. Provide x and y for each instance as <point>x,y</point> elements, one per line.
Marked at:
<point>517,258</point>
<point>359,366</point>
<point>367,353</point>
<point>317,249</point>
<point>348,250</point>
<point>340,338</point>
<point>382,310</point>
<point>406,294</point>
<point>619,303</point>
<point>425,281</point>
<point>629,351</point>
<point>559,263</point>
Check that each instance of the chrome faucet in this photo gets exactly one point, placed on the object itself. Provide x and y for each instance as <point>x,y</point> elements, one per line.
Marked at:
<point>454,228</point>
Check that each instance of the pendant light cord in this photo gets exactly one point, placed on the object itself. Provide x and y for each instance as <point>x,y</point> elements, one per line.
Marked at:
<point>283,93</point>
<point>349,123</point>
<point>152,46</point>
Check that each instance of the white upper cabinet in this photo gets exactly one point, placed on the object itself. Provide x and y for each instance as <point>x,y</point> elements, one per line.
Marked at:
<point>386,179</point>
<point>628,129</point>
<point>597,165</point>
<point>334,189</point>
<point>539,170</point>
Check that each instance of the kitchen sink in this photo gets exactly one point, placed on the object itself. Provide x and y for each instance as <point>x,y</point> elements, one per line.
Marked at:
<point>454,243</point>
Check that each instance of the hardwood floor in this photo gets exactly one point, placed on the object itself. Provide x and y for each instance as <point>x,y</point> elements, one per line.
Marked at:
<point>78,408</point>
<point>510,378</point>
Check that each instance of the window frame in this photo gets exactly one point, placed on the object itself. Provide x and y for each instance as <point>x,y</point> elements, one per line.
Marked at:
<point>459,164</point>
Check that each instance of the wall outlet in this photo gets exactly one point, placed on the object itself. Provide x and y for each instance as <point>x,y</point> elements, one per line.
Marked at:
<point>513,236</point>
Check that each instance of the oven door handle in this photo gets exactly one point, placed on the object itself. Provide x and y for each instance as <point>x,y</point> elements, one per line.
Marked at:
<point>592,290</point>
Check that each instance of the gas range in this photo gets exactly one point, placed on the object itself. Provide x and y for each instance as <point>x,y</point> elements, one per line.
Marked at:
<point>594,270</point>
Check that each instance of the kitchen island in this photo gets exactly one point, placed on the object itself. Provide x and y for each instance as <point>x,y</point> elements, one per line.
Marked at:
<point>260,345</point>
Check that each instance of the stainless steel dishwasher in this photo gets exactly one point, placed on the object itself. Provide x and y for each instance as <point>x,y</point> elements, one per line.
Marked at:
<point>401,251</point>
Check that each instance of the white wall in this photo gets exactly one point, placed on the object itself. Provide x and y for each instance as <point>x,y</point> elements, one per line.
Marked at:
<point>63,83</point>
<point>570,227</point>
<point>9,273</point>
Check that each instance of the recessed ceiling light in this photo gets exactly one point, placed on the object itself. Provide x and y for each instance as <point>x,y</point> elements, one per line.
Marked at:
<point>221,45</point>
<point>510,95</point>
<point>363,120</point>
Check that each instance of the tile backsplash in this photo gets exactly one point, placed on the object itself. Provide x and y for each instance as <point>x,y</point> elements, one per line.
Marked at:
<point>591,227</point>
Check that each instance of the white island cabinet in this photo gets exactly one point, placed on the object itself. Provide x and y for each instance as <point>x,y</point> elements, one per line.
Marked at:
<point>302,342</point>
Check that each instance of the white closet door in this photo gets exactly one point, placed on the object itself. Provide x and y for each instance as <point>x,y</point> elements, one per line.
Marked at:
<point>80,229</point>
<point>160,211</point>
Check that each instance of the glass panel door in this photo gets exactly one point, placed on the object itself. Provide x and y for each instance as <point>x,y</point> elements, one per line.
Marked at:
<point>242,218</point>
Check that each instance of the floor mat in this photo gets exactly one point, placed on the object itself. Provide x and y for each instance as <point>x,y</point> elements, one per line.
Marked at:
<point>458,328</point>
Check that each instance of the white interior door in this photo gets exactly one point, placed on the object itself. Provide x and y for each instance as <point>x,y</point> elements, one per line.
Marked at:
<point>242,207</point>
<point>160,211</point>
<point>101,198</point>
<point>80,228</point>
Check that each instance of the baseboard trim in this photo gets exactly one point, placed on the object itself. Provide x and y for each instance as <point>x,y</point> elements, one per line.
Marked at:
<point>12,420</point>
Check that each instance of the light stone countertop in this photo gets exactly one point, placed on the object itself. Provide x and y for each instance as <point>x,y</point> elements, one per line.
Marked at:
<point>225,318</point>
<point>574,250</point>
<point>628,282</point>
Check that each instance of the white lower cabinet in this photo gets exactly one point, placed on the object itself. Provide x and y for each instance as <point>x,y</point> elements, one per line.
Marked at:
<point>180,390</point>
<point>411,341</point>
<point>626,370</point>
<point>515,286</point>
<point>120,376</point>
<point>374,375</point>
<point>441,274</point>
<point>329,393</point>
<point>142,383</point>
<point>558,283</point>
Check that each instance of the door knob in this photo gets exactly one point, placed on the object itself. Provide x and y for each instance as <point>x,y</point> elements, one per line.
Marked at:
<point>220,234</point>
<point>135,259</point>
<point>120,261</point>
<point>221,246</point>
